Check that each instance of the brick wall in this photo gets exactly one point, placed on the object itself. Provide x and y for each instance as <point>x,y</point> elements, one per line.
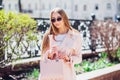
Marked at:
<point>110,73</point>
<point>110,76</point>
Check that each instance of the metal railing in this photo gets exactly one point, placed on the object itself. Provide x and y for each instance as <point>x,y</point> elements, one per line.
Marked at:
<point>84,26</point>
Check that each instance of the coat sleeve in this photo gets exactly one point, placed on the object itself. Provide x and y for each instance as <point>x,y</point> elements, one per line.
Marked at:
<point>44,57</point>
<point>77,58</point>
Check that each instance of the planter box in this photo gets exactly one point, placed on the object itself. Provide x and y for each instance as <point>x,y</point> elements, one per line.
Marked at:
<point>110,73</point>
<point>19,66</point>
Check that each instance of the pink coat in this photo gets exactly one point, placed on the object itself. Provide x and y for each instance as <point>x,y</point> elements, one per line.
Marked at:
<point>73,40</point>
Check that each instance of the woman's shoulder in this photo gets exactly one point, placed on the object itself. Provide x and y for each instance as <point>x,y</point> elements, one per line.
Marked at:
<point>75,32</point>
<point>77,35</point>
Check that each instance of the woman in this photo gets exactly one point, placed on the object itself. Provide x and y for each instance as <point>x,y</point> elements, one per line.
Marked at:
<point>62,42</point>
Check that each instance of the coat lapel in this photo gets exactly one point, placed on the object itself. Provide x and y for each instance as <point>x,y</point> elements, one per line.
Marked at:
<point>69,39</point>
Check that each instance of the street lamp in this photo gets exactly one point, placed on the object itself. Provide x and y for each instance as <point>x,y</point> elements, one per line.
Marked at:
<point>118,18</point>
<point>93,45</point>
<point>93,16</point>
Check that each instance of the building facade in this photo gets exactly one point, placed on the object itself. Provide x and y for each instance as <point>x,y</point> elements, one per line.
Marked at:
<point>75,9</point>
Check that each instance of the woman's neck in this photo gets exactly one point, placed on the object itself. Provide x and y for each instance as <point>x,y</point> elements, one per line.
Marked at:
<point>63,30</point>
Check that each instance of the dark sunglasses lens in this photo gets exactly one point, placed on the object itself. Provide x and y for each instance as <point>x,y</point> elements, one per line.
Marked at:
<point>59,19</point>
<point>53,20</point>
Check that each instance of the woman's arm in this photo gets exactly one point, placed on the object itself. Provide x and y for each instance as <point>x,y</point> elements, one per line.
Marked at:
<point>76,55</point>
<point>50,54</point>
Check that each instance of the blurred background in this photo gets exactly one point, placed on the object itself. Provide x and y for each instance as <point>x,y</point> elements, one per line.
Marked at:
<point>24,22</point>
<point>76,9</point>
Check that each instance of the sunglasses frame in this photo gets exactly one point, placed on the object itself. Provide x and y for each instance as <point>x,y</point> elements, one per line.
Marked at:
<point>53,20</point>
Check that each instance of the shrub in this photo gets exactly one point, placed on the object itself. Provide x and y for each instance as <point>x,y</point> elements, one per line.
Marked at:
<point>33,75</point>
<point>18,29</point>
<point>108,33</point>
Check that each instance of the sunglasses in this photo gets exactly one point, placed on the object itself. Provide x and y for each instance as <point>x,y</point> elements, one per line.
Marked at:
<point>54,19</point>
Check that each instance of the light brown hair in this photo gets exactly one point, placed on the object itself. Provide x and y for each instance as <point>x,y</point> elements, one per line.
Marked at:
<point>53,30</point>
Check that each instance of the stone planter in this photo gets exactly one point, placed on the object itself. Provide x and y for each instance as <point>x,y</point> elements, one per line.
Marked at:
<point>110,73</point>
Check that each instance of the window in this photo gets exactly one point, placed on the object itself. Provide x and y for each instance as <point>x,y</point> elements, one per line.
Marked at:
<point>76,7</point>
<point>65,6</point>
<point>57,4</point>
<point>49,6</point>
<point>29,6</point>
<point>29,9</point>
<point>119,7</point>
<point>43,6</point>
<point>108,18</point>
<point>108,6</point>
<point>16,7</point>
<point>96,7</point>
<point>9,6</point>
<point>84,7</point>
<point>36,6</point>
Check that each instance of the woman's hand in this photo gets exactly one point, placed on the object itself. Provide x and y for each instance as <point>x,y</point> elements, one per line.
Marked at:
<point>72,52</point>
<point>66,54</point>
<point>52,53</point>
<point>65,57</point>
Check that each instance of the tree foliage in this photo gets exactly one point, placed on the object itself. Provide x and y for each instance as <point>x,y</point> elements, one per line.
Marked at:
<point>108,32</point>
<point>15,28</point>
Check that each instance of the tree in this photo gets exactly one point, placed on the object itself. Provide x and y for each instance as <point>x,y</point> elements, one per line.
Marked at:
<point>19,5</point>
<point>108,33</point>
<point>2,24</point>
<point>15,28</point>
<point>1,5</point>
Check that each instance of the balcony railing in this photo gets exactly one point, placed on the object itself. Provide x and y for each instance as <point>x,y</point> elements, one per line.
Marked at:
<point>84,26</point>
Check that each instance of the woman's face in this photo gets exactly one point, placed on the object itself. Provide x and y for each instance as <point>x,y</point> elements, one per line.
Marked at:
<point>57,20</point>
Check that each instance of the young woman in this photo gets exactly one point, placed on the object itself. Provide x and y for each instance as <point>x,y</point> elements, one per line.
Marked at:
<point>62,42</point>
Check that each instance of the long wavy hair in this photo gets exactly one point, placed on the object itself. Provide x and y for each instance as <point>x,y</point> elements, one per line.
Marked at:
<point>53,30</point>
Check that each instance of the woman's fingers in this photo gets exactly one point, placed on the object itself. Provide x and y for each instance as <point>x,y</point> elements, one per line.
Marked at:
<point>59,56</point>
<point>52,54</point>
<point>49,56</point>
<point>64,57</point>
